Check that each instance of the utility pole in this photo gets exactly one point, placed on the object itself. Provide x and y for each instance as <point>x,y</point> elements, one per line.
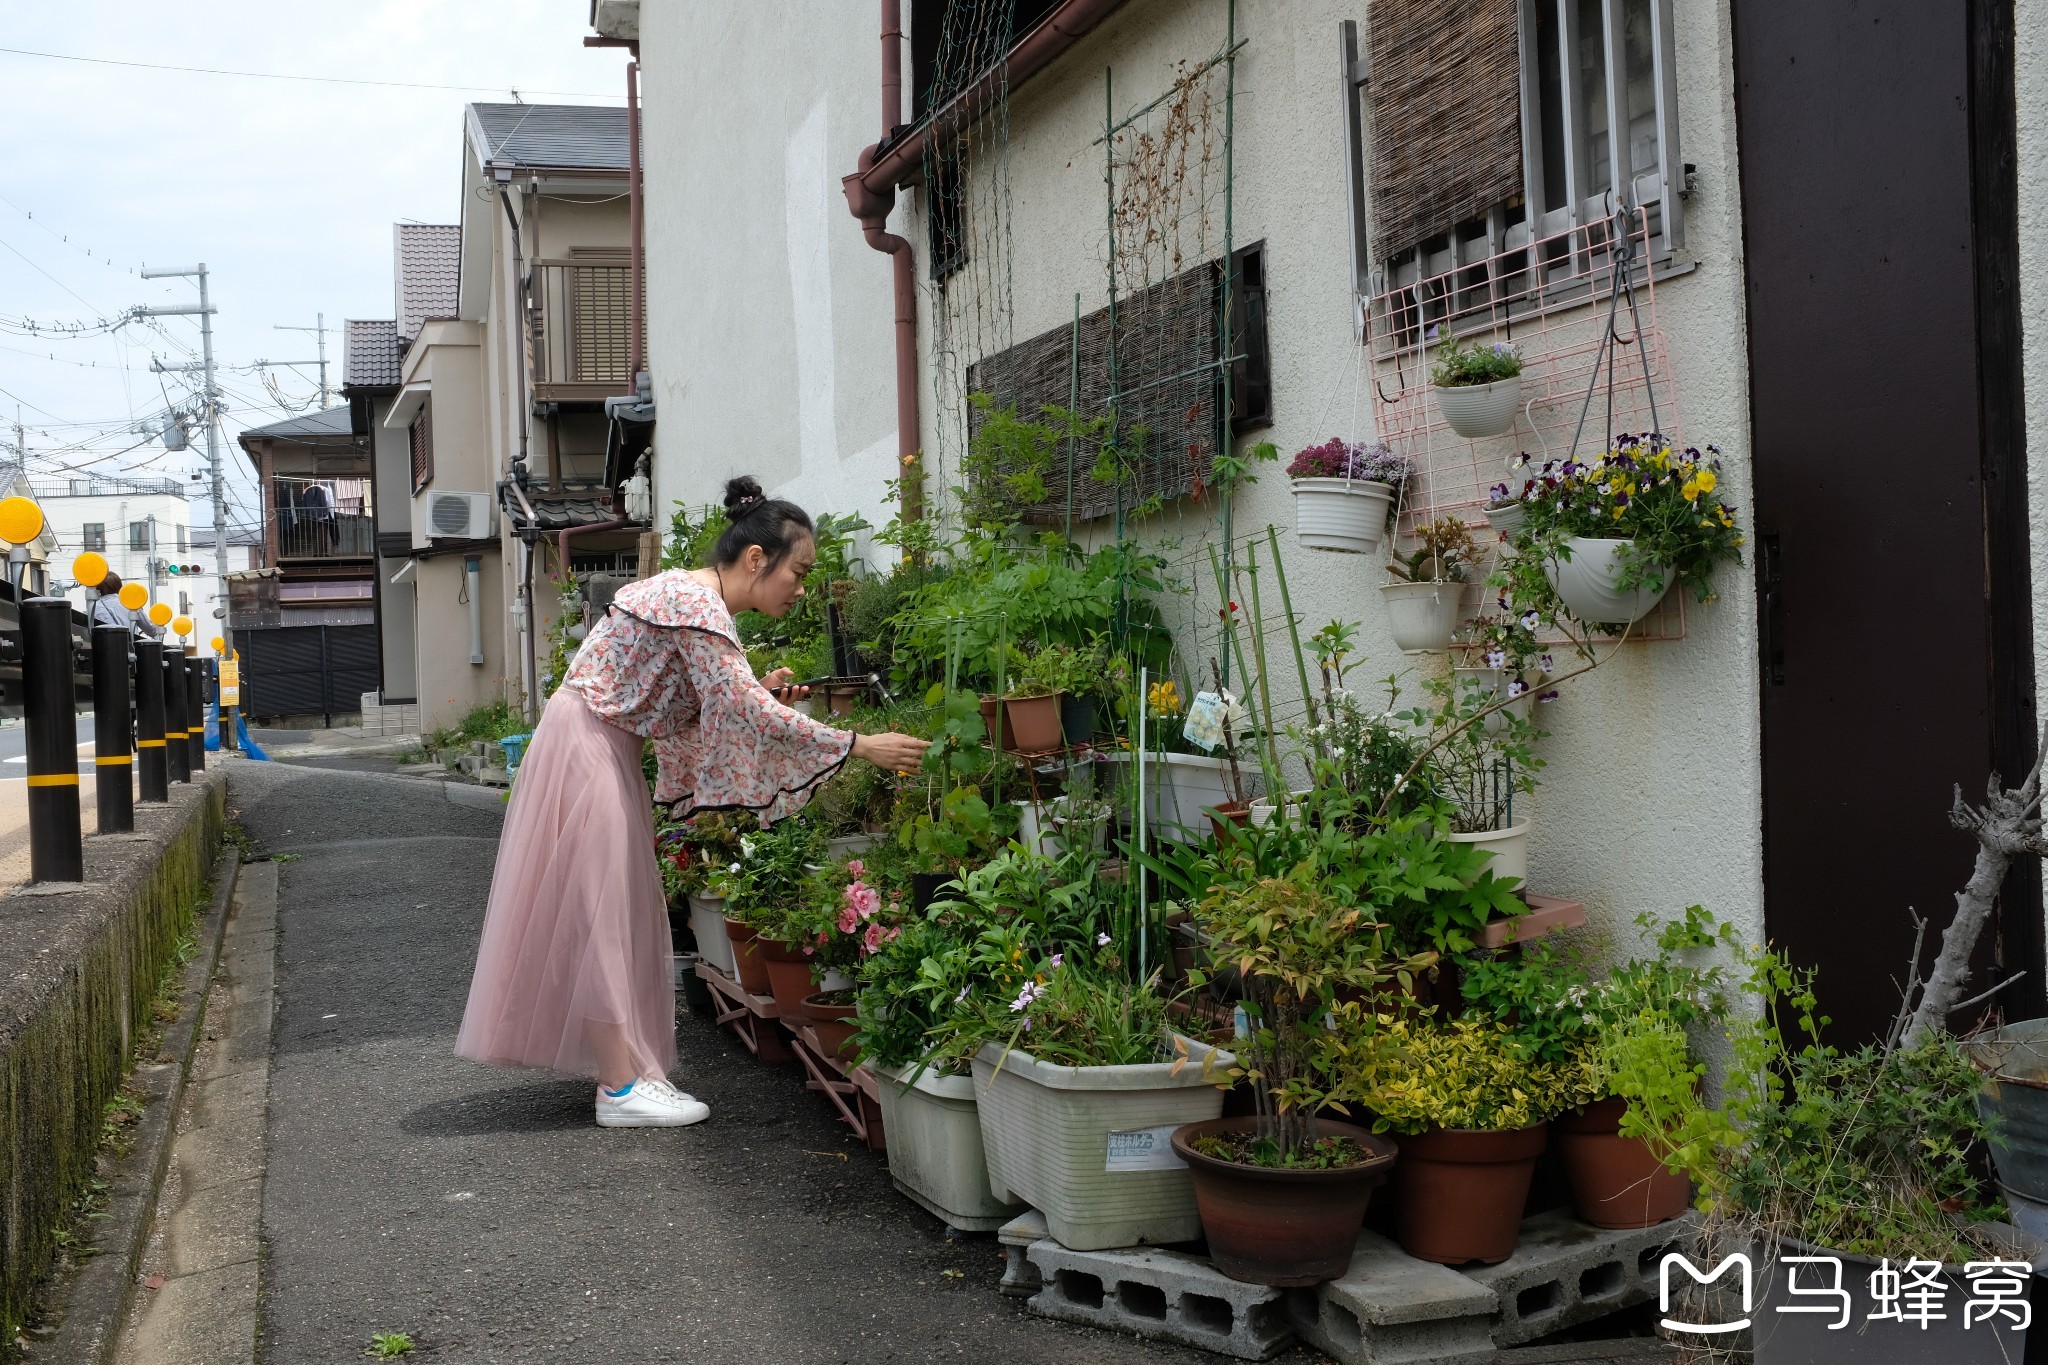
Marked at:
<point>319,330</point>
<point>210,415</point>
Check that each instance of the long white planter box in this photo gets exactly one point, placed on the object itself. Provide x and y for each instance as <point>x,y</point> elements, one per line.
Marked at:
<point>707,922</point>
<point>1090,1146</point>
<point>935,1151</point>
<point>1180,787</point>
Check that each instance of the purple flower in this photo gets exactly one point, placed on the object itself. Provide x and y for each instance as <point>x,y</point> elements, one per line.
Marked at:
<point>1548,666</point>
<point>1058,960</point>
<point>1496,658</point>
<point>1531,620</point>
<point>1499,492</point>
<point>1517,688</point>
<point>1102,940</point>
<point>1551,695</point>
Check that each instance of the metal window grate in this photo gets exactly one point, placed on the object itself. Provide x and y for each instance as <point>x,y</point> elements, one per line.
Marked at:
<point>421,436</point>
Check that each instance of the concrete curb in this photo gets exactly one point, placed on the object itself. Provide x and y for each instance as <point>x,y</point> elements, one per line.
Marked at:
<point>101,1292</point>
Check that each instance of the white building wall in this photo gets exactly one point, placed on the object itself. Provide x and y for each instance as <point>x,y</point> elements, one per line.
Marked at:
<point>69,515</point>
<point>771,338</point>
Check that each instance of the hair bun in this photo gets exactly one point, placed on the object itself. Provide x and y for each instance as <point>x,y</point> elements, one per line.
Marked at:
<point>741,493</point>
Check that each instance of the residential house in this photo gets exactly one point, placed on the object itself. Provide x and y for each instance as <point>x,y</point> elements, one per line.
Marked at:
<point>513,331</point>
<point>305,623</point>
<point>1270,211</point>
<point>142,528</point>
<point>371,358</point>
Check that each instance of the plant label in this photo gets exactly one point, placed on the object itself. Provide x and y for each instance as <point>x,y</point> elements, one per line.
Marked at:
<point>1143,1149</point>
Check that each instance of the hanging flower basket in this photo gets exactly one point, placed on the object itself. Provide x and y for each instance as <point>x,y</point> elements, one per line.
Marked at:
<point>1423,616</point>
<point>1587,578</point>
<point>1478,388</point>
<point>1344,494</point>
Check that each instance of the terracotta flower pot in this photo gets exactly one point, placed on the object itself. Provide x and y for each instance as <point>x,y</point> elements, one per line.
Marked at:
<point>834,1025</point>
<point>1461,1192</point>
<point>789,976</point>
<point>992,719</point>
<point>746,958</point>
<point>1031,725</point>
<point>1617,1182</point>
<point>1281,1227</point>
<point>1230,812</point>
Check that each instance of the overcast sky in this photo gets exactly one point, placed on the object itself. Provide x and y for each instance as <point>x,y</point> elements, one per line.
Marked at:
<point>286,189</point>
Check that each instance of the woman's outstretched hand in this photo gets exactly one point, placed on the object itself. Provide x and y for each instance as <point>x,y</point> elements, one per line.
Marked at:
<point>778,686</point>
<point>892,752</point>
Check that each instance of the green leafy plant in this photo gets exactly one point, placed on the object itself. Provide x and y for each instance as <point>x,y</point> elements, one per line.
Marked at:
<point>1295,949</point>
<point>768,884</point>
<point>1459,363</point>
<point>1476,760</point>
<point>1415,1075</point>
<point>390,1345</point>
<point>842,920</point>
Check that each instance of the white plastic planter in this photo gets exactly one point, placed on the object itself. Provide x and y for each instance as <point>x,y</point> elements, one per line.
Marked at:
<point>1342,514</point>
<point>1179,789</point>
<point>1586,583</point>
<point>1476,410</point>
<point>707,922</point>
<point>935,1151</point>
<point>1509,847</point>
<point>1506,520</point>
<point>1091,1147</point>
<point>1263,810</point>
<point>847,845</point>
<point>1423,616</point>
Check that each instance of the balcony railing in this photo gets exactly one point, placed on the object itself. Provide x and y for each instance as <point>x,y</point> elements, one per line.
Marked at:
<point>579,334</point>
<point>323,518</point>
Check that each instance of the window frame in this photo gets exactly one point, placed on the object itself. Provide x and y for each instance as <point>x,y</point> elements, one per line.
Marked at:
<point>420,440</point>
<point>138,535</point>
<point>93,535</point>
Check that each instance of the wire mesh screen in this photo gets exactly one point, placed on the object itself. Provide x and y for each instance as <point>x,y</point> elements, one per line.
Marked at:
<point>1446,109</point>
<point>1552,300</point>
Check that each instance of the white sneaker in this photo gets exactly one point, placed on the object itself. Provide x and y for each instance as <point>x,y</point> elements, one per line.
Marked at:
<point>661,1084</point>
<point>649,1104</point>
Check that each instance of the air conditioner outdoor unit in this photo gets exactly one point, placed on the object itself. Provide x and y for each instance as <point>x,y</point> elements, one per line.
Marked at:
<point>465,516</point>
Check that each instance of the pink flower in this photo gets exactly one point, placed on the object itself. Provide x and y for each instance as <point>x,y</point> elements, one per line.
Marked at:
<point>848,920</point>
<point>872,941</point>
<point>856,867</point>
<point>863,900</point>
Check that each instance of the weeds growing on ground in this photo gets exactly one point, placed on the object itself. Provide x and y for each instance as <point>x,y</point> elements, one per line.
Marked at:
<point>387,1345</point>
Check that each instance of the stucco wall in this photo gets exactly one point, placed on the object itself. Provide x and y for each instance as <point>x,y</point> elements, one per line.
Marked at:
<point>450,686</point>
<point>771,340</point>
<point>1651,797</point>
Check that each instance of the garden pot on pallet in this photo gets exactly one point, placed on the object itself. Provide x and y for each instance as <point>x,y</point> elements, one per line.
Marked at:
<point>1587,583</point>
<point>834,1025</point>
<point>707,922</point>
<point>789,976</point>
<point>1789,1330</point>
<point>1476,410</point>
<point>935,1151</point>
<point>1617,1182</point>
<point>1179,788</point>
<point>748,963</point>
<point>1282,1227</point>
<point>1342,514</point>
<point>1460,1193</point>
<point>1031,725</point>
<point>1091,1147</point>
<point>1509,847</point>
<point>1422,617</point>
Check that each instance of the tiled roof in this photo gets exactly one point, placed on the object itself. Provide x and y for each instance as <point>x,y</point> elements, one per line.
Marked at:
<point>370,356</point>
<point>429,266</point>
<point>559,511</point>
<point>550,136</point>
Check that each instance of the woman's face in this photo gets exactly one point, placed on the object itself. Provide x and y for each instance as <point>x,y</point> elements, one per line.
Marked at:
<point>776,589</point>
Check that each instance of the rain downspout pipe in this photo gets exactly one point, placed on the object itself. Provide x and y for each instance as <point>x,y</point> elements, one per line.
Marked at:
<point>636,303</point>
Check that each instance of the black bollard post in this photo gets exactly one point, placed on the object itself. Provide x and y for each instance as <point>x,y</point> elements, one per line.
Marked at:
<point>195,710</point>
<point>177,725</point>
<point>153,766</point>
<point>56,844</point>
<point>111,720</point>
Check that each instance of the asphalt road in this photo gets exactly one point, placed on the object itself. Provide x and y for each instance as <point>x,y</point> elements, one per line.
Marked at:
<point>484,1213</point>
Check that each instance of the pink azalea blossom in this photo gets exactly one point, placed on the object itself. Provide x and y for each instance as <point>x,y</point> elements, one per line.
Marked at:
<point>863,900</point>
<point>848,920</point>
<point>873,940</point>
<point>856,867</point>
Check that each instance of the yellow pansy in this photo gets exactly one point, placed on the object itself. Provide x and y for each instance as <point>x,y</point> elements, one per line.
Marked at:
<point>1706,480</point>
<point>1691,489</point>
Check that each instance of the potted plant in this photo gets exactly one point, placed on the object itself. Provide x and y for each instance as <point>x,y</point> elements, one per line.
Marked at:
<point>1471,1113</point>
<point>846,920</point>
<point>767,889</point>
<point>1181,786</point>
<point>1478,388</point>
<point>1605,540</point>
<point>1076,673</point>
<point>1283,1192</point>
<point>1344,494</point>
<point>1426,598</point>
<point>1504,507</point>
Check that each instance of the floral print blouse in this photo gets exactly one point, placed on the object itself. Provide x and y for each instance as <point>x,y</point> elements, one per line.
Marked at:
<point>666,664</point>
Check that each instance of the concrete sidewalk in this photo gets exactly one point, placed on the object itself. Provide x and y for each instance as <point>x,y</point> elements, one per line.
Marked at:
<point>483,1212</point>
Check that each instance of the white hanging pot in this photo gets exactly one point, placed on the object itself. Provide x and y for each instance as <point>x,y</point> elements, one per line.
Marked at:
<point>1509,847</point>
<point>1586,583</point>
<point>1342,514</point>
<point>1506,520</point>
<point>1475,410</point>
<point>1493,684</point>
<point>1423,616</point>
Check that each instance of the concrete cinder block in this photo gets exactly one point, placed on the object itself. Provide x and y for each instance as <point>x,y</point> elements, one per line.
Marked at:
<point>1391,1309</point>
<point>1565,1272</point>
<point>1161,1295</point>
<point>1020,1277</point>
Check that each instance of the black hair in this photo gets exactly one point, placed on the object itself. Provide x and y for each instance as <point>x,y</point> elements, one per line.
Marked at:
<point>774,524</point>
<point>110,585</point>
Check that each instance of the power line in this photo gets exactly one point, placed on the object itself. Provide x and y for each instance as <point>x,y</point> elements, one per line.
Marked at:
<point>318,80</point>
<point>48,276</point>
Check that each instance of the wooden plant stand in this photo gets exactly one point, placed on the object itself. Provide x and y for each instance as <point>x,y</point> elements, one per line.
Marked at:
<point>853,1090</point>
<point>752,1018</point>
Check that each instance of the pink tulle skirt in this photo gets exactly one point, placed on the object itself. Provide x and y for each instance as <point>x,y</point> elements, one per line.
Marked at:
<point>576,961</point>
